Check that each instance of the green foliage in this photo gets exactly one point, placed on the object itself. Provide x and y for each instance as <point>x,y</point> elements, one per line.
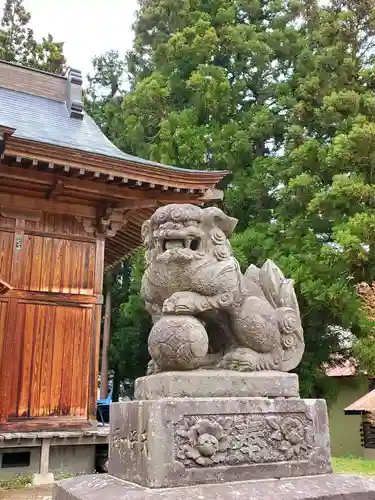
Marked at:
<point>19,481</point>
<point>104,96</point>
<point>107,76</point>
<point>17,42</point>
<point>365,354</point>
<point>130,323</point>
<point>282,94</point>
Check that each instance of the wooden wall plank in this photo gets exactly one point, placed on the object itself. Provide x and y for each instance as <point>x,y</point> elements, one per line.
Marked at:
<point>3,321</point>
<point>18,335</point>
<point>67,359</point>
<point>3,316</point>
<point>45,403</point>
<point>75,259</point>
<point>77,360</point>
<point>37,360</point>
<point>26,359</point>
<point>56,271</point>
<point>36,262</point>
<point>27,263</point>
<point>6,255</point>
<point>7,359</point>
<point>57,361</point>
<point>89,270</point>
<point>18,254</point>
<point>45,272</point>
<point>88,319</point>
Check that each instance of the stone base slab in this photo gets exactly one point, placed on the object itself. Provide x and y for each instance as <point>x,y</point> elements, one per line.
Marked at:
<point>217,384</point>
<point>325,487</point>
<point>180,442</point>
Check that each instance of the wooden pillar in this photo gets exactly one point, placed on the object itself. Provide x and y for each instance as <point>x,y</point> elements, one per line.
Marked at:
<point>95,340</point>
<point>106,336</point>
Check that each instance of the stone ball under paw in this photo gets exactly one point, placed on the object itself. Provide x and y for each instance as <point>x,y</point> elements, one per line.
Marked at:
<point>178,342</point>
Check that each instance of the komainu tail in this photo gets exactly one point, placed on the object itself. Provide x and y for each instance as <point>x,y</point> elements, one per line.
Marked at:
<point>280,293</point>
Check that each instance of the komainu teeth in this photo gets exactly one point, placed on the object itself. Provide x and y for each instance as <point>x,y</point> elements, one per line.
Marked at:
<point>170,244</point>
<point>188,242</point>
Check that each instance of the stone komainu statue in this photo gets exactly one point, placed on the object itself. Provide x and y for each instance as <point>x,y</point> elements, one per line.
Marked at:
<point>206,313</point>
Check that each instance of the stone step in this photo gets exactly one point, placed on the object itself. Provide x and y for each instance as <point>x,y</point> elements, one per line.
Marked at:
<point>324,487</point>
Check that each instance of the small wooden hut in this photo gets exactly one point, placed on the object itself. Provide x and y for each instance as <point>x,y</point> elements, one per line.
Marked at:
<point>71,203</point>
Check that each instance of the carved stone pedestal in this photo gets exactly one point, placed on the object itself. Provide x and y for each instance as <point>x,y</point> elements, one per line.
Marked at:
<point>218,448</point>
<point>179,442</point>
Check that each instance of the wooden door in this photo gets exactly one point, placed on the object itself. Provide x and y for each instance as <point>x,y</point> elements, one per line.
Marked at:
<point>50,321</point>
<point>50,364</point>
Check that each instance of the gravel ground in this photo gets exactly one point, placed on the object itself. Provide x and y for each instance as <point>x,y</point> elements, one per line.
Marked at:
<point>44,493</point>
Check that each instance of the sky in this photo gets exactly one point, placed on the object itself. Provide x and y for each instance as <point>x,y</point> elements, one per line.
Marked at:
<point>88,27</point>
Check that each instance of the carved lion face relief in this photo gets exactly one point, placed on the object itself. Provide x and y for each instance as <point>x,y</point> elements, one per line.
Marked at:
<point>186,232</point>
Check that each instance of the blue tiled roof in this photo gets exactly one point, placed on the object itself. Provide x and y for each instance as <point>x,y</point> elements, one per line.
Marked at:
<point>44,120</point>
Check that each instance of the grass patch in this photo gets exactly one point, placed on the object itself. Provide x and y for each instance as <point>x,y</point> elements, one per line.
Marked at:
<point>64,474</point>
<point>16,483</point>
<point>353,465</point>
<point>22,481</point>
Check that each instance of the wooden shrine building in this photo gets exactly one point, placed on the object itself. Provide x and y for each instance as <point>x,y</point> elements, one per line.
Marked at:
<point>71,204</point>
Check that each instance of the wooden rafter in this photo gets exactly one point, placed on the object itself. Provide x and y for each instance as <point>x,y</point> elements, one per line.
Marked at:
<point>119,169</point>
<point>71,186</point>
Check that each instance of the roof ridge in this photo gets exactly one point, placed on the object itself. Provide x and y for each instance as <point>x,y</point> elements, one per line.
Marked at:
<point>34,70</point>
<point>33,95</point>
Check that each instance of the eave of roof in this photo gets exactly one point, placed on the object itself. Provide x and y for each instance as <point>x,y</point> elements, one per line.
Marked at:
<point>366,404</point>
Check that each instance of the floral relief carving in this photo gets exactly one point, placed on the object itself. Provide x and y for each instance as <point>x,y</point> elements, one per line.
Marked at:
<point>292,436</point>
<point>207,441</point>
<point>243,439</point>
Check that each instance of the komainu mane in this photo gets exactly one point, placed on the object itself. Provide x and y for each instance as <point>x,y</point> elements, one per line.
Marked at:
<point>252,320</point>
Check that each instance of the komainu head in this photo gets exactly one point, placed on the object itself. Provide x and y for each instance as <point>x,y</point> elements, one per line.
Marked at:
<point>187,232</point>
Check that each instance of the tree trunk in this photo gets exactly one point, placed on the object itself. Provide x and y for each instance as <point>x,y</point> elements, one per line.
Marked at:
<point>106,336</point>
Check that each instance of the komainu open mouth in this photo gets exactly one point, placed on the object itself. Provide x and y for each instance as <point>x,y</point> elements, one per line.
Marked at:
<point>190,243</point>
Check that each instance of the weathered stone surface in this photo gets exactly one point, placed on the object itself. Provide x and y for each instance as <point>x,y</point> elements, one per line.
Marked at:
<point>252,321</point>
<point>178,342</point>
<point>176,442</point>
<point>217,384</point>
<point>326,487</point>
